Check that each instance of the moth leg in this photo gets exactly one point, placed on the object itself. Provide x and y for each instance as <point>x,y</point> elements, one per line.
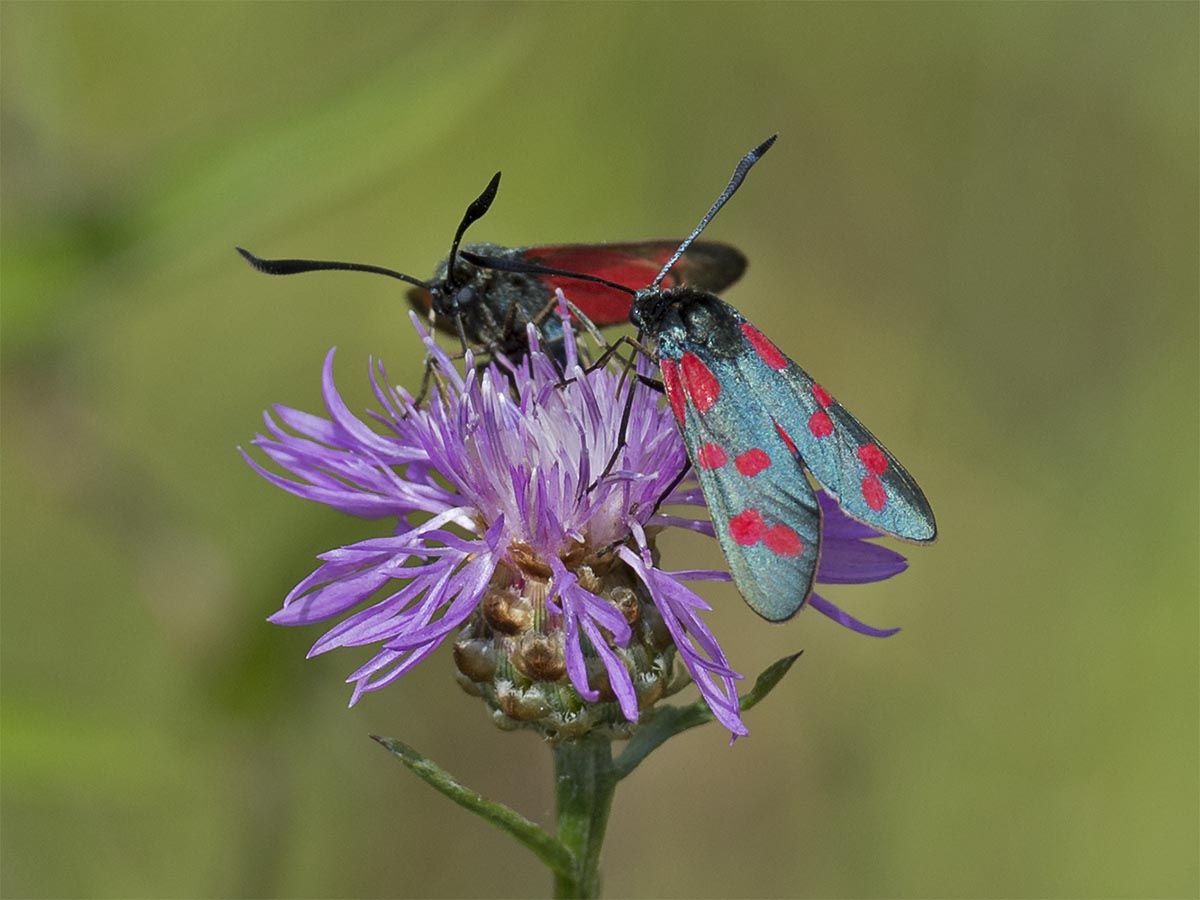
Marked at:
<point>429,377</point>
<point>687,467</point>
<point>426,378</point>
<point>609,353</point>
<point>628,365</point>
<point>580,317</point>
<point>611,349</point>
<point>588,325</point>
<point>622,438</point>
<point>544,313</point>
<point>623,431</point>
<point>510,321</point>
<point>427,372</point>
<point>462,332</point>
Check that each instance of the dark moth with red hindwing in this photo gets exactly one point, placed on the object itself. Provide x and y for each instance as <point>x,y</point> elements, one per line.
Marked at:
<point>756,426</point>
<point>490,309</point>
<point>494,306</point>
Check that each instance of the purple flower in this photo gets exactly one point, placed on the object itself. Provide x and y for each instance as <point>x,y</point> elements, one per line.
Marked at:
<point>510,536</point>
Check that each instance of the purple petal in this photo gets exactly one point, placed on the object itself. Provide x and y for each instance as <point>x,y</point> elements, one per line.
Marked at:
<point>836,524</point>
<point>346,420</point>
<point>618,675</point>
<point>576,666</point>
<point>315,427</point>
<point>592,613</point>
<point>463,592</point>
<point>700,526</point>
<point>329,600</point>
<point>571,353</point>
<point>381,621</point>
<point>823,606</point>
<point>701,575</point>
<point>692,496</point>
<point>380,660</point>
<point>365,684</point>
<point>696,644</point>
<point>857,562</point>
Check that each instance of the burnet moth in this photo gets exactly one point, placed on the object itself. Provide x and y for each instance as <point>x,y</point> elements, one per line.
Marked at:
<point>756,426</point>
<point>491,308</point>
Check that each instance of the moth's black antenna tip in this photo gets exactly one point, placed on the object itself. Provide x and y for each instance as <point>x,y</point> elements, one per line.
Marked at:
<point>298,266</point>
<point>766,145</point>
<point>250,258</point>
<point>739,175</point>
<point>478,208</point>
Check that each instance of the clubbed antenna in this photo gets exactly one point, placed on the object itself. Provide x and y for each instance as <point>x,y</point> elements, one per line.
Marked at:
<point>474,212</point>
<point>739,175</point>
<point>479,206</point>
<point>517,265</point>
<point>298,266</point>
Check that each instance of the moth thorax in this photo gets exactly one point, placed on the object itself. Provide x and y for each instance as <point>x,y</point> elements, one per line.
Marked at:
<point>649,307</point>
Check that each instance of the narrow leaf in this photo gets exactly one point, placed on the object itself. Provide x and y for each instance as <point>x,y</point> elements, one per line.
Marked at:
<point>766,682</point>
<point>544,845</point>
<point>669,721</point>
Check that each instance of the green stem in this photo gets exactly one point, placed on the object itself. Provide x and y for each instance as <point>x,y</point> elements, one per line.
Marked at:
<point>586,777</point>
<point>584,783</point>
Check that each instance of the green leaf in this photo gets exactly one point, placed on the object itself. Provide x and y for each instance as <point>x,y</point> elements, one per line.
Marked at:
<point>544,846</point>
<point>766,682</point>
<point>672,720</point>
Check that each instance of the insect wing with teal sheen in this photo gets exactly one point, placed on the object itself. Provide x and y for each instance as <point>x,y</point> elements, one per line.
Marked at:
<point>849,462</point>
<point>764,510</point>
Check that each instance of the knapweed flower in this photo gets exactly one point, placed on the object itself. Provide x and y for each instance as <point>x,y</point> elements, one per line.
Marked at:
<point>513,538</point>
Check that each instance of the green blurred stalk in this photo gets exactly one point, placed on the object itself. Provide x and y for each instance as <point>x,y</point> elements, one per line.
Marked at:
<point>584,783</point>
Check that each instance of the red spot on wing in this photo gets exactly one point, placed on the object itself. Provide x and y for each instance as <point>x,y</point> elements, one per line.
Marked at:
<point>673,387</point>
<point>821,396</point>
<point>820,424</point>
<point>711,456</point>
<point>872,457</point>
<point>702,385</point>
<point>786,438</point>
<point>873,492</point>
<point>747,527</point>
<point>783,540</point>
<point>752,462</point>
<point>766,351</point>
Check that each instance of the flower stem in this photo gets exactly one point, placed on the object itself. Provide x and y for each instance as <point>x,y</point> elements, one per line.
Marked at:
<point>584,783</point>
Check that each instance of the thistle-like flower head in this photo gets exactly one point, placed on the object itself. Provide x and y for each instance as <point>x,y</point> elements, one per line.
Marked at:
<point>511,537</point>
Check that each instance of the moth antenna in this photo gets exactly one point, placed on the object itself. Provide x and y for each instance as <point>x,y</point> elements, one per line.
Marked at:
<point>506,265</point>
<point>739,175</point>
<point>298,266</point>
<point>479,206</point>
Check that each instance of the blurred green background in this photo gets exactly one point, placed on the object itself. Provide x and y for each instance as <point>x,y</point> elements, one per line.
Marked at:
<point>979,229</point>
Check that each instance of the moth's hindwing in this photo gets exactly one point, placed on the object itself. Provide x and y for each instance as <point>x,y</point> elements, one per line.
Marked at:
<point>706,266</point>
